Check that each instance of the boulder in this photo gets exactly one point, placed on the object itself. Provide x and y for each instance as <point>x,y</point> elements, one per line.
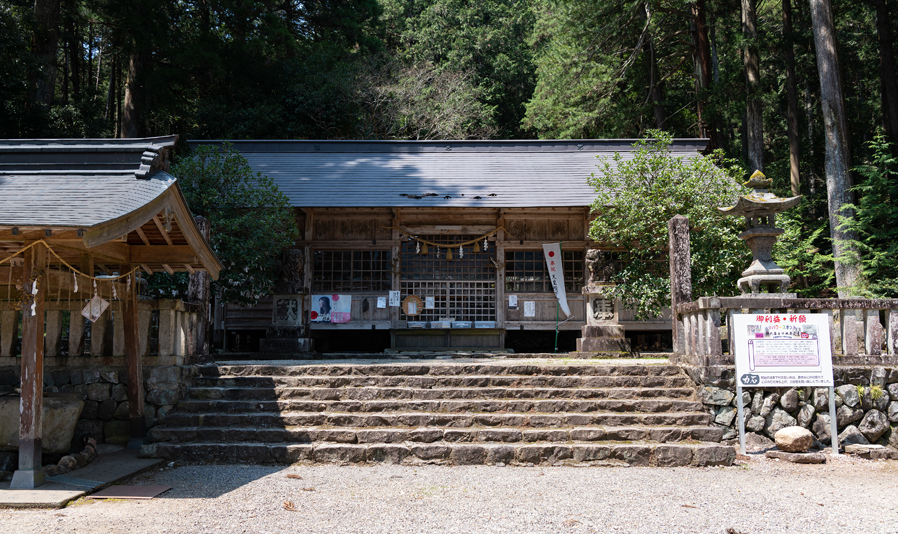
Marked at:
<point>794,439</point>
<point>109,376</point>
<point>878,377</point>
<point>755,442</point>
<point>893,438</point>
<point>119,392</point>
<point>893,390</point>
<point>757,402</point>
<point>769,404</point>
<point>849,395</point>
<point>806,415</point>
<point>881,399</point>
<point>90,376</point>
<point>98,391</point>
<point>163,396</point>
<point>90,410</point>
<point>873,425</point>
<point>60,415</point>
<point>755,424</point>
<point>789,400</point>
<point>798,457</point>
<point>852,436</point>
<point>715,396</point>
<point>893,412</point>
<point>821,399</point>
<point>121,412</point>
<point>866,399</point>
<point>821,428</point>
<point>845,415</point>
<point>777,420</point>
<point>725,415</point>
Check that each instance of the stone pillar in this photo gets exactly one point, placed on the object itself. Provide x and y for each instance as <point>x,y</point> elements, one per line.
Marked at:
<point>118,330</point>
<point>134,366</point>
<point>680,276</point>
<point>53,338</point>
<point>76,333</point>
<point>167,330</point>
<point>9,331</point>
<point>873,337</point>
<point>198,291</point>
<point>893,332</point>
<point>849,333</point>
<point>101,335</point>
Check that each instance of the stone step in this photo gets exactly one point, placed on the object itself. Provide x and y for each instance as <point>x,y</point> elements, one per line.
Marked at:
<point>403,393</point>
<point>440,369</point>
<point>426,419</point>
<point>432,434</point>
<point>441,452</point>
<point>453,381</point>
<point>443,406</point>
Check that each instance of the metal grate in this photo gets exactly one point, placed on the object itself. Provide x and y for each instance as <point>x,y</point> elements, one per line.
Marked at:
<point>435,266</point>
<point>525,271</point>
<point>463,301</point>
<point>351,270</point>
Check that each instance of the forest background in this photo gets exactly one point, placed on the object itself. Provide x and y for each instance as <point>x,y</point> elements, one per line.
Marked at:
<point>744,74</point>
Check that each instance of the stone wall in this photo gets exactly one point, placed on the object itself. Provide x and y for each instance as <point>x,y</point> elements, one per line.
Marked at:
<point>866,405</point>
<point>104,391</point>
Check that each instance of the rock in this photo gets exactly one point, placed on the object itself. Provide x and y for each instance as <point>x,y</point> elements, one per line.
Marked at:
<point>845,415</point>
<point>893,438</point>
<point>162,411</point>
<point>746,400</point>
<point>757,402</point>
<point>880,399</point>
<point>798,457</point>
<point>755,442</point>
<point>893,391</point>
<point>59,417</point>
<point>789,400</point>
<point>872,452</point>
<point>117,432</point>
<point>849,395</point>
<point>777,420</point>
<point>98,392</point>
<point>866,399</point>
<point>821,428</point>
<point>60,378</point>
<point>755,424</point>
<point>80,391</point>
<point>715,396</point>
<point>821,399</point>
<point>729,433</point>
<point>806,415</point>
<point>878,377</point>
<point>76,378</point>
<point>893,412</point>
<point>725,415</point>
<point>804,394</point>
<point>873,425</point>
<point>68,463</point>
<point>850,436</point>
<point>168,377</point>
<point>109,376</point>
<point>794,439</point>
<point>769,404</point>
<point>149,414</point>
<point>88,428</point>
<point>163,396</point>
<point>119,392</point>
<point>121,412</point>
<point>107,410</point>
<point>90,376</point>
<point>90,410</point>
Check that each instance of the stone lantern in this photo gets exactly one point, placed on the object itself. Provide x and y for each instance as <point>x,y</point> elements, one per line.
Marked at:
<point>759,209</point>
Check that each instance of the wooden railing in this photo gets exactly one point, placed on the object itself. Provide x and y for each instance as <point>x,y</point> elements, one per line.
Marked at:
<point>167,332</point>
<point>863,331</point>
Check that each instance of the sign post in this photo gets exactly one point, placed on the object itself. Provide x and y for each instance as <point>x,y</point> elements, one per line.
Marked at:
<point>783,350</point>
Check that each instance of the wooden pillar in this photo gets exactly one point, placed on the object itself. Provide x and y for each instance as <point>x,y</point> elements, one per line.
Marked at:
<point>29,475</point>
<point>134,366</point>
<point>680,275</point>
<point>198,290</point>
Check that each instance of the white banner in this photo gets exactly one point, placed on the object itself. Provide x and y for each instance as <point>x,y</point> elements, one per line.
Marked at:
<point>552,251</point>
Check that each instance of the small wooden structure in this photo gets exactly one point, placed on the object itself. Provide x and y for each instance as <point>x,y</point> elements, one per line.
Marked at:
<point>457,224</point>
<point>79,218</point>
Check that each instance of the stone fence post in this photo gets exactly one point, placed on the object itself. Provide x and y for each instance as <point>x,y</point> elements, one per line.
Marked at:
<point>680,277</point>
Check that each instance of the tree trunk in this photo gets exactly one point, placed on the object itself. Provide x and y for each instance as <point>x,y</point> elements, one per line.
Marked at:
<point>887,72</point>
<point>110,94</point>
<point>792,99</point>
<point>754,125</point>
<point>134,115</point>
<point>655,89</point>
<point>702,59</point>
<point>838,159</point>
<point>46,38</point>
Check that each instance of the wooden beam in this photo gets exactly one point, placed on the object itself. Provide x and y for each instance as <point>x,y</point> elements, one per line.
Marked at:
<point>142,236</point>
<point>168,269</point>
<point>163,254</point>
<point>189,268</point>
<point>162,229</point>
<point>146,268</point>
<point>111,252</point>
<point>29,475</point>
<point>134,365</point>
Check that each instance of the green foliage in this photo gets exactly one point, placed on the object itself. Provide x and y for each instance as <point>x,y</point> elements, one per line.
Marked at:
<point>635,200</point>
<point>251,223</point>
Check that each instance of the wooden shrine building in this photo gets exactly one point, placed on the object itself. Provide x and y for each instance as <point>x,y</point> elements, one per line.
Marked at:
<point>456,227</point>
<point>79,218</point>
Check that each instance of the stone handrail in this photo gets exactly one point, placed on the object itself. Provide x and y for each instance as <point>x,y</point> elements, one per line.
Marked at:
<point>856,331</point>
<point>177,332</point>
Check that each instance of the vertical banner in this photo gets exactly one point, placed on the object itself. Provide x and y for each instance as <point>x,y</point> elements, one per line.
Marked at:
<point>552,251</point>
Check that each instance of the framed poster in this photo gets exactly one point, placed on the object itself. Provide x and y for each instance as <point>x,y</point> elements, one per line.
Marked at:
<point>781,350</point>
<point>394,299</point>
<point>529,308</point>
<point>331,308</point>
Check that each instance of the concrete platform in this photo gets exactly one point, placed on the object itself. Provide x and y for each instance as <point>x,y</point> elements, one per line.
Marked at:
<point>113,463</point>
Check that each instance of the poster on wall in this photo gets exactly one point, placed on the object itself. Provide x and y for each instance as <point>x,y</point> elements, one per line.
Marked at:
<point>381,302</point>
<point>529,308</point>
<point>778,350</point>
<point>394,299</point>
<point>331,308</point>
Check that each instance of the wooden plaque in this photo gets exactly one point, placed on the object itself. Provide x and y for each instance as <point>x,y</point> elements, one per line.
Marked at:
<point>412,305</point>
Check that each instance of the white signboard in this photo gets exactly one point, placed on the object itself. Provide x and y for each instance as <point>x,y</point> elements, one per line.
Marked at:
<point>780,350</point>
<point>381,302</point>
<point>513,302</point>
<point>428,303</point>
<point>394,299</point>
<point>529,308</point>
<point>552,252</point>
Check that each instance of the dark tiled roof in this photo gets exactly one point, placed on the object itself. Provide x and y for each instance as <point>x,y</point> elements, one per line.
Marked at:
<point>548,173</point>
<point>78,182</point>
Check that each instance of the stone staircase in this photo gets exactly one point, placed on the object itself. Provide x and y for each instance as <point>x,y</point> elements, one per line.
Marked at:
<point>452,413</point>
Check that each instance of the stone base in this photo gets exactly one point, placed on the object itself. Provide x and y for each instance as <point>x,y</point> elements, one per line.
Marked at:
<point>27,479</point>
<point>751,285</point>
<point>603,338</point>
<point>798,457</point>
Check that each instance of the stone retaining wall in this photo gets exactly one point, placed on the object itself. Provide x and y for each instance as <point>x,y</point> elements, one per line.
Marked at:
<point>866,404</point>
<point>104,391</point>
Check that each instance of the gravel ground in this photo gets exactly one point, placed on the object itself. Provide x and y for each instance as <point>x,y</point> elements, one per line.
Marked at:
<point>757,496</point>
